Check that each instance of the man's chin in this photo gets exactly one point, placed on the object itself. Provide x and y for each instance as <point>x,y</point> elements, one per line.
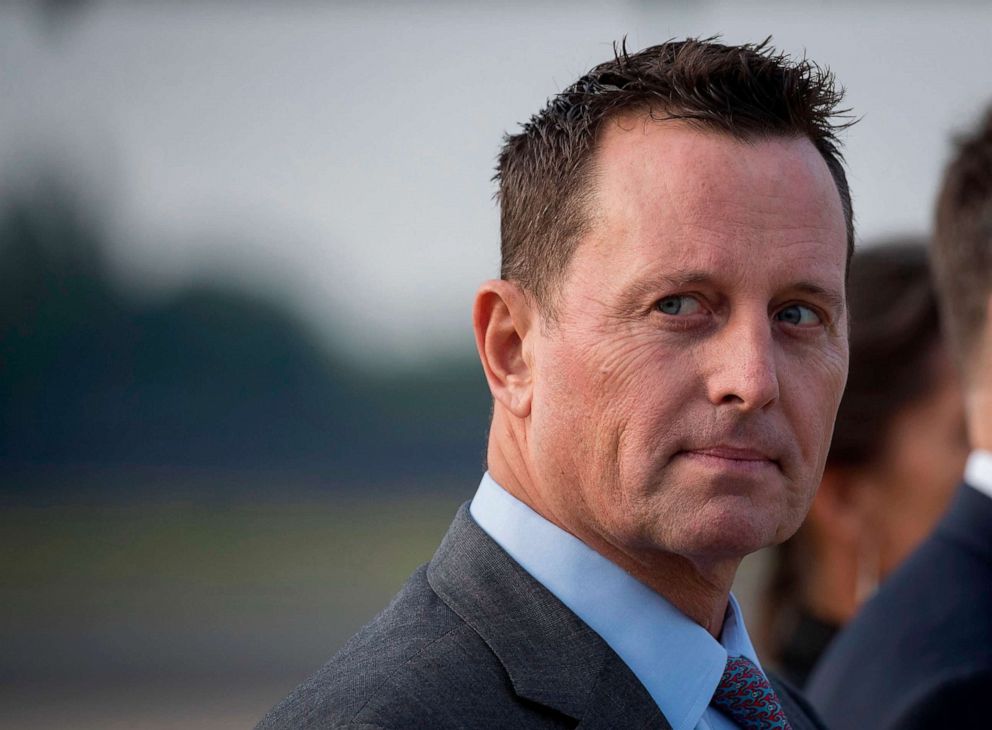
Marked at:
<point>728,534</point>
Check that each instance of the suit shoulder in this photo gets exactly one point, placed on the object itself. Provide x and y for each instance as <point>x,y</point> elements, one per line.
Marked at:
<point>954,700</point>
<point>416,664</point>
<point>939,600</point>
<point>931,619</point>
<point>333,696</point>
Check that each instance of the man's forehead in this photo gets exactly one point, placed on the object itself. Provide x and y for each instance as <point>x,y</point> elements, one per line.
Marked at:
<point>643,150</point>
<point>777,221</point>
<point>647,171</point>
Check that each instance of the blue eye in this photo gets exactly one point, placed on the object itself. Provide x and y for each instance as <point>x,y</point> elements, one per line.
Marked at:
<point>799,315</point>
<point>679,305</point>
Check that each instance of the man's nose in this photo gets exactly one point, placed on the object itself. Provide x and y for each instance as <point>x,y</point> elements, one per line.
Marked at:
<point>743,370</point>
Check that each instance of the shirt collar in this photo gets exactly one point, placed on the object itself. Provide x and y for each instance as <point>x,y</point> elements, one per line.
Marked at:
<point>978,471</point>
<point>677,661</point>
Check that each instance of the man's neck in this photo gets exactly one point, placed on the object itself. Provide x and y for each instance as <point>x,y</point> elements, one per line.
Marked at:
<point>505,461</point>
<point>978,390</point>
<point>699,589</point>
<point>978,404</point>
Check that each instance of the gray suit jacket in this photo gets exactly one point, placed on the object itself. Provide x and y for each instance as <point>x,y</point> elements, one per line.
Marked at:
<point>473,641</point>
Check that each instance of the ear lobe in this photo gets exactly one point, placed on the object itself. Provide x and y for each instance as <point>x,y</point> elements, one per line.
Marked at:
<point>502,320</point>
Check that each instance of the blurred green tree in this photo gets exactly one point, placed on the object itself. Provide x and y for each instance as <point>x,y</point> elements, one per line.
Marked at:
<point>214,378</point>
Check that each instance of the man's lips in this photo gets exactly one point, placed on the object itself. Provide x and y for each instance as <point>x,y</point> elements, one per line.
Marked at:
<point>735,458</point>
<point>732,452</point>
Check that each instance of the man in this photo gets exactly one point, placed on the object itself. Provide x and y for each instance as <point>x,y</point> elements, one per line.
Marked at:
<point>920,653</point>
<point>666,350</point>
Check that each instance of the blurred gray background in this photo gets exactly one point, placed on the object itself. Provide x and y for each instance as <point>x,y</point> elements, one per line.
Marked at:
<point>238,248</point>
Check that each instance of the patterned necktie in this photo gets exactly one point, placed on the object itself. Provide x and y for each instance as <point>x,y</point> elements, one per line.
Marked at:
<point>745,696</point>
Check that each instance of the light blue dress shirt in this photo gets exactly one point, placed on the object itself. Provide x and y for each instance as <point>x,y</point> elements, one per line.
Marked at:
<point>677,660</point>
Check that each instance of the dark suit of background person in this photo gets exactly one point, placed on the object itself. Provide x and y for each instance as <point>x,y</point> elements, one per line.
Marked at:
<point>920,653</point>
<point>665,374</point>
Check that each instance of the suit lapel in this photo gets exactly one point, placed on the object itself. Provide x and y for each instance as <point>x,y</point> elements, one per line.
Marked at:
<point>620,700</point>
<point>551,656</point>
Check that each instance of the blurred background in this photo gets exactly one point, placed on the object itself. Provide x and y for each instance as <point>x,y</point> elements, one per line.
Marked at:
<point>239,401</point>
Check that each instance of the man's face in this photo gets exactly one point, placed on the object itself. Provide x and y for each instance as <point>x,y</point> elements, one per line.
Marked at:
<point>684,398</point>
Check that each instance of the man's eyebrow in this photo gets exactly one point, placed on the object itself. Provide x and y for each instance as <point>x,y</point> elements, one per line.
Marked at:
<point>632,297</point>
<point>834,299</point>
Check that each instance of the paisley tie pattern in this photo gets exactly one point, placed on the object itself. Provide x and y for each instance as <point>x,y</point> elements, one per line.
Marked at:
<point>745,696</point>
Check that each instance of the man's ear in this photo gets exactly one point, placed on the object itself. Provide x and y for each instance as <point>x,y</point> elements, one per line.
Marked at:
<point>503,317</point>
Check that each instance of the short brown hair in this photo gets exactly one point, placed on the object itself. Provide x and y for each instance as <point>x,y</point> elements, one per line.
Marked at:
<point>962,247</point>
<point>749,91</point>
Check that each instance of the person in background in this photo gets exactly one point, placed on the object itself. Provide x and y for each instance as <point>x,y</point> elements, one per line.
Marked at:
<point>919,655</point>
<point>898,449</point>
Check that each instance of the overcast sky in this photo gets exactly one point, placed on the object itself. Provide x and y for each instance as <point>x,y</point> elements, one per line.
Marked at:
<point>342,154</point>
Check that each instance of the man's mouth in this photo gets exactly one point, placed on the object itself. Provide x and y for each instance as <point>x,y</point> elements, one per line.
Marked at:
<point>731,458</point>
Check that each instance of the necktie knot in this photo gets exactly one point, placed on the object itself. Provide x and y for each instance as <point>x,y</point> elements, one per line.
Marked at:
<point>746,697</point>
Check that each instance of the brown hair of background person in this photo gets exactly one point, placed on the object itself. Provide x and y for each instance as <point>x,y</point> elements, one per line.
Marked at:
<point>962,257</point>
<point>898,449</point>
<point>546,172</point>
